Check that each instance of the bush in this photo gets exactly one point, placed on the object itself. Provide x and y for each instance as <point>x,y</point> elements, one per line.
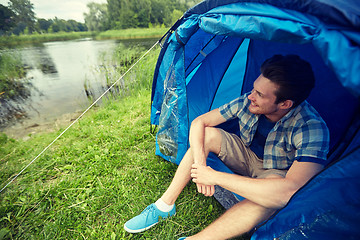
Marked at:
<point>11,76</point>
<point>3,138</point>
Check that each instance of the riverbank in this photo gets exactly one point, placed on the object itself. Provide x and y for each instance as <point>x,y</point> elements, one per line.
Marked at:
<point>21,40</point>
<point>136,33</point>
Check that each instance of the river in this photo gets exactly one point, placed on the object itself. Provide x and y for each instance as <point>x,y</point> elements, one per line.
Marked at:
<point>61,75</point>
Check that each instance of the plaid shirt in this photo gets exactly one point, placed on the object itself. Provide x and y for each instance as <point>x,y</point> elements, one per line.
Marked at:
<point>300,133</point>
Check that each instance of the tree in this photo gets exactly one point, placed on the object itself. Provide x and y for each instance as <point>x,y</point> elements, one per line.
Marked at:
<point>55,26</point>
<point>191,3</point>
<point>114,8</point>
<point>122,14</point>
<point>61,25</point>
<point>73,25</point>
<point>142,8</point>
<point>97,18</point>
<point>6,19</point>
<point>25,15</point>
<point>44,24</point>
<point>176,14</point>
<point>19,28</point>
<point>144,13</point>
<point>160,10</point>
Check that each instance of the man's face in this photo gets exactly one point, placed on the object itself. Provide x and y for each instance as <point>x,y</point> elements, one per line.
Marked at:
<point>263,97</point>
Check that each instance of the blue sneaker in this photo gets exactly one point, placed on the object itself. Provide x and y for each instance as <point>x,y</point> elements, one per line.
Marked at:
<point>182,238</point>
<point>148,218</point>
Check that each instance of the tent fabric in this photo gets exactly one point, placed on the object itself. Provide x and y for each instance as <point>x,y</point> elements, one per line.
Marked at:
<point>271,23</point>
<point>337,12</point>
<point>213,55</point>
<point>331,213</point>
<point>257,22</point>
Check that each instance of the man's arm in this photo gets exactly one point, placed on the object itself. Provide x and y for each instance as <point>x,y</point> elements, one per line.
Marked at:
<point>197,133</point>
<point>269,192</point>
<point>197,137</point>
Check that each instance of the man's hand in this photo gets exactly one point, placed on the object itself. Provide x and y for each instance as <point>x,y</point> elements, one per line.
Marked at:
<point>203,176</point>
<point>207,190</point>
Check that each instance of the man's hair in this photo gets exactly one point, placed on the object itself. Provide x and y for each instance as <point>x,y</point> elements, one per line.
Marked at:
<point>293,75</point>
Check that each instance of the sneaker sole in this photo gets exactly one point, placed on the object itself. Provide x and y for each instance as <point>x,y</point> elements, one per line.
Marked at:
<point>138,230</point>
<point>144,229</point>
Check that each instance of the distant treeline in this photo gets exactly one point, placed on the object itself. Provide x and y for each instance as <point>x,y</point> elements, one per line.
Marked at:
<point>19,17</point>
<point>122,14</point>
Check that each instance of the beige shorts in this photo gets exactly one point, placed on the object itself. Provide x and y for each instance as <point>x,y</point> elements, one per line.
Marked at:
<point>241,160</point>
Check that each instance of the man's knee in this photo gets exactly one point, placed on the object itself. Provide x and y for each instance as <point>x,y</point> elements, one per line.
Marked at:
<point>213,139</point>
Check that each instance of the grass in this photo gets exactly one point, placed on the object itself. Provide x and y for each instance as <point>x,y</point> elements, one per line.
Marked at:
<point>14,87</point>
<point>133,33</point>
<point>14,41</point>
<point>99,174</point>
<point>11,76</point>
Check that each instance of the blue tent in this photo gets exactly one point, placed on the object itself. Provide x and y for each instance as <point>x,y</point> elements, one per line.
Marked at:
<point>213,54</point>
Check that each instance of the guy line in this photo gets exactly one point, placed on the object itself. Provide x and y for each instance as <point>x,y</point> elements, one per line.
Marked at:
<point>77,119</point>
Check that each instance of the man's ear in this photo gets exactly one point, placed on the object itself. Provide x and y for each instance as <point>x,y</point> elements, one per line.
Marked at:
<point>287,104</point>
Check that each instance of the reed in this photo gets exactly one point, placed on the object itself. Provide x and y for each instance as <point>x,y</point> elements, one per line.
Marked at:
<point>12,73</point>
<point>36,38</point>
<point>133,33</point>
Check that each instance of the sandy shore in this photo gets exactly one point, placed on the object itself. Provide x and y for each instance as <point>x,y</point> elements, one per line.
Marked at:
<point>25,130</point>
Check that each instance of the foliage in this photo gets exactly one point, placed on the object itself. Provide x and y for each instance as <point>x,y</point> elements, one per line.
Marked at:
<point>130,14</point>
<point>97,18</point>
<point>14,87</point>
<point>123,14</point>
<point>6,19</point>
<point>11,75</point>
<point>19,18</point>
<point>132,33</point>
<point>44,25</point>
<point>94,178</point>
<point>60,25</point>
<point>24,15</point>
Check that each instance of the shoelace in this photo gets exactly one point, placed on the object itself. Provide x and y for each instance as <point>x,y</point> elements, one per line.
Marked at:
<point>149,210</point>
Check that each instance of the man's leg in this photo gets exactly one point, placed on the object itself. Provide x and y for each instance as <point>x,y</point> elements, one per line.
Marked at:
<point>165,206</point>
<point>182,175</point>
<point>181,178</point>
<point>239,219</point>
<point>149,217</point>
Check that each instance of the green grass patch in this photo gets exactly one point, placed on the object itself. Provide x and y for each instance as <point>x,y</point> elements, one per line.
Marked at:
<point>15,41</point>
<point>102,172</point>
<point>12,84</point>
<point>133,33</point>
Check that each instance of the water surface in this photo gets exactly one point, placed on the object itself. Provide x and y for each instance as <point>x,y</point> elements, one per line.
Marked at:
<point>62,75</point>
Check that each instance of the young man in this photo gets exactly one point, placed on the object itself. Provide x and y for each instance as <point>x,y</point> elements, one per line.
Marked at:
<point>283,143</point>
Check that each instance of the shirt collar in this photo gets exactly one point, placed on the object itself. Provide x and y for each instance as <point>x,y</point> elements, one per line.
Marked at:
<point>290,114</point>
